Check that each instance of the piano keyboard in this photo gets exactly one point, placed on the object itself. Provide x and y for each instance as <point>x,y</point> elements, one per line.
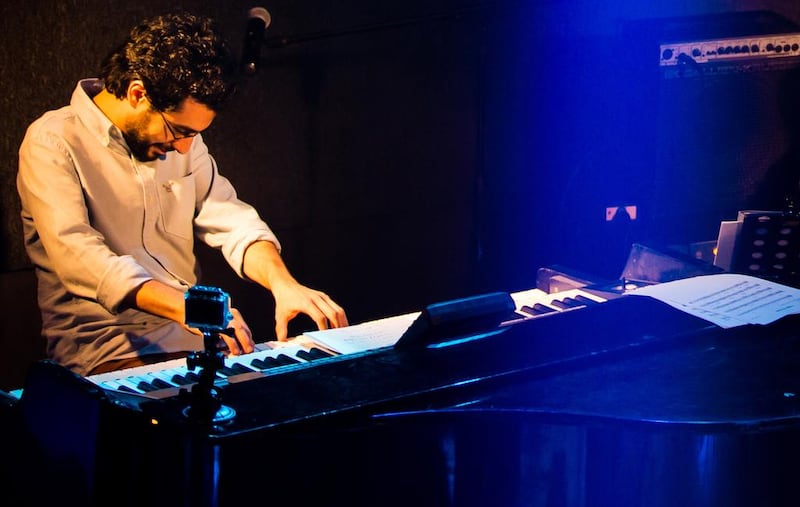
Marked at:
<point>165,379</point>
<point>536,302</point>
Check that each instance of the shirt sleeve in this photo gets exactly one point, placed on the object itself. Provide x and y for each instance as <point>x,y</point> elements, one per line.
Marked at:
<point>222,220</point>
<point>53,205</point>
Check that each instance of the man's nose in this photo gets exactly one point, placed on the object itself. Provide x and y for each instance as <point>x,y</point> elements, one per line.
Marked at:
<point>182,145</point>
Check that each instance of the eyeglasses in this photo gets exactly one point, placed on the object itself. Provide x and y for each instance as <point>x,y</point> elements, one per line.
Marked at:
<point>172,130</point>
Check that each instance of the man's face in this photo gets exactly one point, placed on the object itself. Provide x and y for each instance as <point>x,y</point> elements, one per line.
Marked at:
<point>152,134</point>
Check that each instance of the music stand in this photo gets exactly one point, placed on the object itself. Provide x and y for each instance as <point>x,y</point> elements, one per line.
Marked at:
<point>440,322</point>
<point>766,244</point>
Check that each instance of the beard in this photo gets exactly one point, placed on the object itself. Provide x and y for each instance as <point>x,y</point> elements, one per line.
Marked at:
<point>140,145</point>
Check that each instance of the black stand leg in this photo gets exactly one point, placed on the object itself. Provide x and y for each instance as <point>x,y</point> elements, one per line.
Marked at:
<point>205,405</point>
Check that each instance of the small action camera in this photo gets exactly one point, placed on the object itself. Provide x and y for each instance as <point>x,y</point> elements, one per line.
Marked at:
<point>208,308</point>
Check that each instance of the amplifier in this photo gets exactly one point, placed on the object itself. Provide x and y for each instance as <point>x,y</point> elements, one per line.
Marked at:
<point>758,52</point>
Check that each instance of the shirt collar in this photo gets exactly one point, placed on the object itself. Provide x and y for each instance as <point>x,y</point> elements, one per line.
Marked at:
<point>92,117</point>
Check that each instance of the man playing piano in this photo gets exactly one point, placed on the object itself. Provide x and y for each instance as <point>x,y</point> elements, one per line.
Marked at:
<point>115,186</point>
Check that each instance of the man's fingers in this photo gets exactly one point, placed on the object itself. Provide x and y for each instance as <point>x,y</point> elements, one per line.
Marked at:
<point>317,305</point>
<point>326,313</point>
<point>232,344</point>
<point>241,341</point>
<point>333,312</point>
<point>281,328</point>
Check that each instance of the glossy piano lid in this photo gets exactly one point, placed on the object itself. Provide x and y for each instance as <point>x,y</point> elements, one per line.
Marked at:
<point>741,380</point>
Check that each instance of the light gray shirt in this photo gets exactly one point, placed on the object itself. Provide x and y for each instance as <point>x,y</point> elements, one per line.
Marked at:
<point>98,223</point>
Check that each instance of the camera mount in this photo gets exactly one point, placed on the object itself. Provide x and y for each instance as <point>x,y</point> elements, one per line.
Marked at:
<point>207,309</point>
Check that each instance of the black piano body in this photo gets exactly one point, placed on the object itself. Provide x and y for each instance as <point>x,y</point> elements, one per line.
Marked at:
<point>628,403</point>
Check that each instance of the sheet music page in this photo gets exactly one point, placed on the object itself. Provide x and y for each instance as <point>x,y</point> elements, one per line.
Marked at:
<point>727,300</point>
<point>368,335</point>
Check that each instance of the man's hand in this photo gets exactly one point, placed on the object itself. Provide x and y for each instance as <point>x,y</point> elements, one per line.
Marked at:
<point>160,299</point>
<point>263,264</point>
<point>292,299</point>
<point>242,340</point>
<point>238,338</point>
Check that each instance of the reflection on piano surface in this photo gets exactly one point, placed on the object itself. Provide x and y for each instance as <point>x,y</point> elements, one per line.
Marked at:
<point>625,403</point>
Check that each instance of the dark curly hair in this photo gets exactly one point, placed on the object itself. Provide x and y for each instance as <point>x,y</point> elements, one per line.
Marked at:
<point>176,56</point>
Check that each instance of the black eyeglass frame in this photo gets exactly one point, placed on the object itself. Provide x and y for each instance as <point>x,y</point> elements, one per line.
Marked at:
<point>171,129</point>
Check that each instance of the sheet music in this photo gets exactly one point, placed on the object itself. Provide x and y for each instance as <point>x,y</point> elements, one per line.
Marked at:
<point>726,299</point>
<point>360,337</point>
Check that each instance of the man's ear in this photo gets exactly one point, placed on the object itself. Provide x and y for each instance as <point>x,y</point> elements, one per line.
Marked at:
<point>136,94</point>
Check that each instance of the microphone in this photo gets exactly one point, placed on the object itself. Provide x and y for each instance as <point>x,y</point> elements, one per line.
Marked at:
<point>258,19</point>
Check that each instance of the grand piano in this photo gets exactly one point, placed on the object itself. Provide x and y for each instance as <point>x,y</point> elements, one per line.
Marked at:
<point>625,403</point>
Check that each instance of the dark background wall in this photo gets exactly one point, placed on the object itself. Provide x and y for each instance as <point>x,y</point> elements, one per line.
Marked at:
<point>448,148</point>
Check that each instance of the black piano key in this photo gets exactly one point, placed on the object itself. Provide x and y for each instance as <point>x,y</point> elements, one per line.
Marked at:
<point>303,354</point>
<point>572,302</point>
<point>126,389</point>
<point>259,364</point>
<point>586,301</point>
<point>240,368</point>
<point>270,362</point>
<point>192,377</point>
<point>312,354</point>
<point>180,380</point>
<point>160,384</point>
<point>146,386</point>
<point>226,371</point>
<point>537,309</point>
<point>319,353</point>
<point>560,304</point>
<point>274,362</point>
<point>543,309</point>
<point>284,360</point>
<point>513,317</point>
